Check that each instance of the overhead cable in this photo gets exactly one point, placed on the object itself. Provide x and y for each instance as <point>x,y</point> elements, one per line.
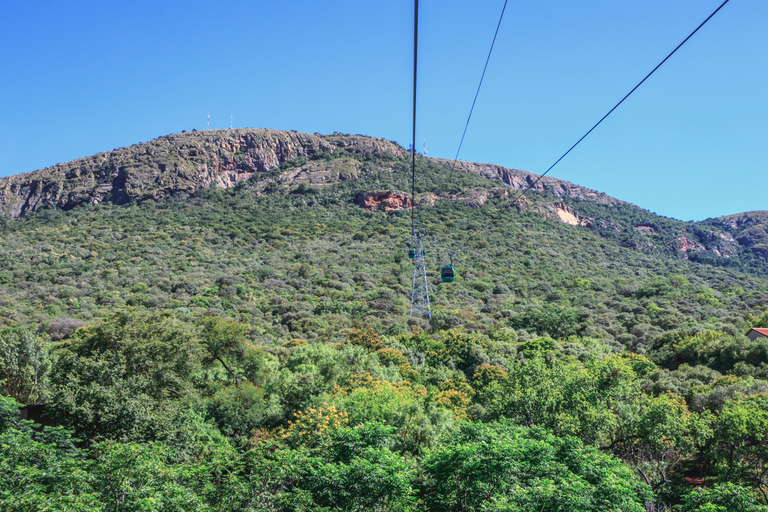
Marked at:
<point>478,90</point>
<point>413,136</point>
<point>617,105</point>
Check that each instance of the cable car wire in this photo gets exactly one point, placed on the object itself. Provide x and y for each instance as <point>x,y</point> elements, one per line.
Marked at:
<point>619,103</point>
<point>478,91</point>
<point>447,272</point>
<point>466,126</point>
<point>436,243</point>
<point>413,136</point>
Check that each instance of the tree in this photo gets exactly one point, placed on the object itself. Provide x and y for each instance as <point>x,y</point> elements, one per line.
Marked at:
<point>315,369</point>
<point>23,364</point>
<point>239,409</point>
<point>41,470</point>
<point>563,395</point>
<point>740,444</point>
<point>348,468</point>
<point>502,466</point>
<point>403,405</point>
<point>224,340</point>
<point>127,377</point>
<point>727,497</point>
<point>657,435</point>
<point>551,321</point>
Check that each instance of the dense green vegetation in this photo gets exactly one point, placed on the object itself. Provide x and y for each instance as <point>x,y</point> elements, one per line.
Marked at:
<point>232,351</point>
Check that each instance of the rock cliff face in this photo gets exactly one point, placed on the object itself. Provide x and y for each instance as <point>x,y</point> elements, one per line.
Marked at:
<point>384,201</point>
<point>518,179</point>
<point>173,163</point>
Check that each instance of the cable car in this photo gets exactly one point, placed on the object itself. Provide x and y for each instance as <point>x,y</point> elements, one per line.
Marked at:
<point>412,253</point>
<point>447,273</point>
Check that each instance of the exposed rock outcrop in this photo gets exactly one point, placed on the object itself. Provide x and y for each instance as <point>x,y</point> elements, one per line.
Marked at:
<point>567,214</point>
<point>647,228</point>
<point>179,162</point>
<point>383,201</point>
<point>685,245</point>
<point>749,229</point>
<point>303,163</point>
<point>521,180</point>
<point>477,198</point>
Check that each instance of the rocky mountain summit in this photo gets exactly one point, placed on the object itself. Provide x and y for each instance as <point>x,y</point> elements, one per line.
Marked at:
<point>185,161</point>
<point>189,161</point>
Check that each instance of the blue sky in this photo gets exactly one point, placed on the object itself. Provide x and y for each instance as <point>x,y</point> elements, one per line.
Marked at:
<point>84,77</point>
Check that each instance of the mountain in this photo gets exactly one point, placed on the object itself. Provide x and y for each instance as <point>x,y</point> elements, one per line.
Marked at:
<point>277,160</point>
<point>304,236</point>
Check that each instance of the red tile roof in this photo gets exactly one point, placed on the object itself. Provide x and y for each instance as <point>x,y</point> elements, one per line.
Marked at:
<point>764,332</point>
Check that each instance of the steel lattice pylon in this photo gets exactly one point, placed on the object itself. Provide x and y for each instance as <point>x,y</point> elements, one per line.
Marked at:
<point>420,291</point>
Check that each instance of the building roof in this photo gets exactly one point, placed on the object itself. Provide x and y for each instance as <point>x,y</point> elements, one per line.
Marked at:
<point>764,332</point>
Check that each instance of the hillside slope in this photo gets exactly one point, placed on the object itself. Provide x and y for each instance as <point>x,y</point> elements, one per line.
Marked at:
<point>317,245</point>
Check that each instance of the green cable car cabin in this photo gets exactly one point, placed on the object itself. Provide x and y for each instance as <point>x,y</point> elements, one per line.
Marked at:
<point>447,273</point>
